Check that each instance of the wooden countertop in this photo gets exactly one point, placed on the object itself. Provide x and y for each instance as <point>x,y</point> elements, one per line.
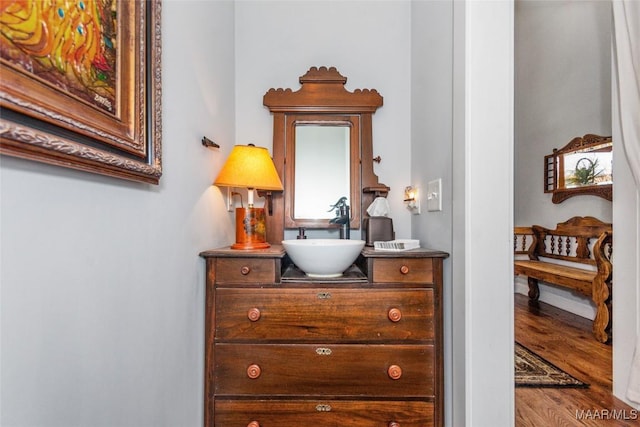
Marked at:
<point>277,251</point>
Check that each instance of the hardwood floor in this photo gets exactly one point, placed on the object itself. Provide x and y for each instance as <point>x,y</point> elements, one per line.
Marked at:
<point>566,341</point>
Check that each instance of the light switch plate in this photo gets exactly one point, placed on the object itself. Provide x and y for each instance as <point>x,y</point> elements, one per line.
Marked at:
<point>434,195</point>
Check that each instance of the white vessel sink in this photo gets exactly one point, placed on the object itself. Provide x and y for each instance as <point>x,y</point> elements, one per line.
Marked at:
<point>323,257</point>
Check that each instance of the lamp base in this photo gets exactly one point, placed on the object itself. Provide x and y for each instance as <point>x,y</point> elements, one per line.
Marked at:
<point>251,229</point>
<point>250,246</point>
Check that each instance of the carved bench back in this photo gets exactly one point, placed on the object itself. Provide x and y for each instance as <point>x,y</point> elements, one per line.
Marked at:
<point>580,239</point>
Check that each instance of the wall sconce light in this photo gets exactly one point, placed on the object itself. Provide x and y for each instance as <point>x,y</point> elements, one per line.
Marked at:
<point>412,199</point>
<point>250,167</point>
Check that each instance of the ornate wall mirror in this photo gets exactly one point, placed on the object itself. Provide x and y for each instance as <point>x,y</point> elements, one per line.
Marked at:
<point>582,167</point>
<point>322,148</point>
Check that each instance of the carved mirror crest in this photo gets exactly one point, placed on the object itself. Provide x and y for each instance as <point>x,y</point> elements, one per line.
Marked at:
<point>582,167</point>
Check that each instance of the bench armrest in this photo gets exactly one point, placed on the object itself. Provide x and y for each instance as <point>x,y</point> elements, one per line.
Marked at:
<point>602,254</point>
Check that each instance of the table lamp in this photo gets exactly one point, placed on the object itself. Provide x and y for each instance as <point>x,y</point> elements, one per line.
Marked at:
<point>250,167</point>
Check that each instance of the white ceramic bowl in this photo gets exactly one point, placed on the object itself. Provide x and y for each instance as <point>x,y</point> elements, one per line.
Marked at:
<point>323,257</point>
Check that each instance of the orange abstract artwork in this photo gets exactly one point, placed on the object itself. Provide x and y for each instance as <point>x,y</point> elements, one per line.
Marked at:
<point>70,45</point>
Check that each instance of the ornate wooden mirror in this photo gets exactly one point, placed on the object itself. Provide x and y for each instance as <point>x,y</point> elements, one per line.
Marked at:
<point>582,167</point>
<point>323,150</point>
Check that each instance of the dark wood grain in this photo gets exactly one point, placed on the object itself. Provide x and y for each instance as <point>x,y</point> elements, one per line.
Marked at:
<point>565,340</point>
<point>309,314</point>
<point>364,351</point>
<point>418,270</point>
<point>324,412</point>
<point>324,369</point>
<point>246,270</point>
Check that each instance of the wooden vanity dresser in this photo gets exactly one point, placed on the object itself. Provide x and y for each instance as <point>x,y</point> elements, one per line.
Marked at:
<point>283,349</point>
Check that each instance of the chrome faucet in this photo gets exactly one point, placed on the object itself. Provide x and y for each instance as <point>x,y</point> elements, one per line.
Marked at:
<point>342,218</point>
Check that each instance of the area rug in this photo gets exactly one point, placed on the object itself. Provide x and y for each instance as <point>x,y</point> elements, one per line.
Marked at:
<point>534,371</point>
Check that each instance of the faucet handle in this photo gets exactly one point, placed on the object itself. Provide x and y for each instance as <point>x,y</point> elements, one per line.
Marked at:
<point>342,201</point>
<point>301,234</point>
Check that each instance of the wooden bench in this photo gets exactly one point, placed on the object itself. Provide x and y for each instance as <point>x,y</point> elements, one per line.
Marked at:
<point>555,256</point>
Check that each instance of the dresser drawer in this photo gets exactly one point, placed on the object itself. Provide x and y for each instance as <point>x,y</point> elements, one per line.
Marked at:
<point>406,270</point>
<point>324,314</point>
<point>322,413</point>
<point>245,270</point>
<point>342,370</point>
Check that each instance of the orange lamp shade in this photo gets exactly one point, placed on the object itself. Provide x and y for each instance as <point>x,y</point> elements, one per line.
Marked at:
<point>249,166</point>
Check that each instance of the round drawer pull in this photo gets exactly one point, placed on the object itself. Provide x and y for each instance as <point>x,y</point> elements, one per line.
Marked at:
<point>254,371</point>
<point>391,424</point>
<point>404,269</point>
<point>257,424</point>
<point>395,314</point>
<point>254,314</point>
<point>245,270</point>
<point>394,372</point>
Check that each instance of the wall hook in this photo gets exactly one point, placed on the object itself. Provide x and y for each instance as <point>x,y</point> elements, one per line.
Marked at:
<point>209,143</point>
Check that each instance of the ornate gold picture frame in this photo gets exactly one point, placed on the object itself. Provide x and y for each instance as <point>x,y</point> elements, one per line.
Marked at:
<point>80,85</point>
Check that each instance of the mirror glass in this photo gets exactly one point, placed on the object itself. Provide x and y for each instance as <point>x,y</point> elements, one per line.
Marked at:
<point>591,166</point>
<point>582,167</point>
<point>322,172</point>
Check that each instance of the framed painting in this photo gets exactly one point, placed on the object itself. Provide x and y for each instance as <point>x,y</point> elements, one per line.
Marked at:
<point>81,85</point>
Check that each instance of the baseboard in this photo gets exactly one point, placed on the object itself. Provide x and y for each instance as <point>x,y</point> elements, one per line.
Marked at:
<point>562,299</point>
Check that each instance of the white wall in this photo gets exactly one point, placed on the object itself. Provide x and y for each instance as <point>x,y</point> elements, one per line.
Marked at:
<point>101,284</point>
<point>483,209</point>
<point>431,150</point>
<point>369,42</point>
<point>562,90</point>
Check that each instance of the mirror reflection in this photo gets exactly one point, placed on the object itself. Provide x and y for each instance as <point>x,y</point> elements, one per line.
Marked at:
<point>582,167</point>
<point>590,166</point>
<point>322,171</point>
